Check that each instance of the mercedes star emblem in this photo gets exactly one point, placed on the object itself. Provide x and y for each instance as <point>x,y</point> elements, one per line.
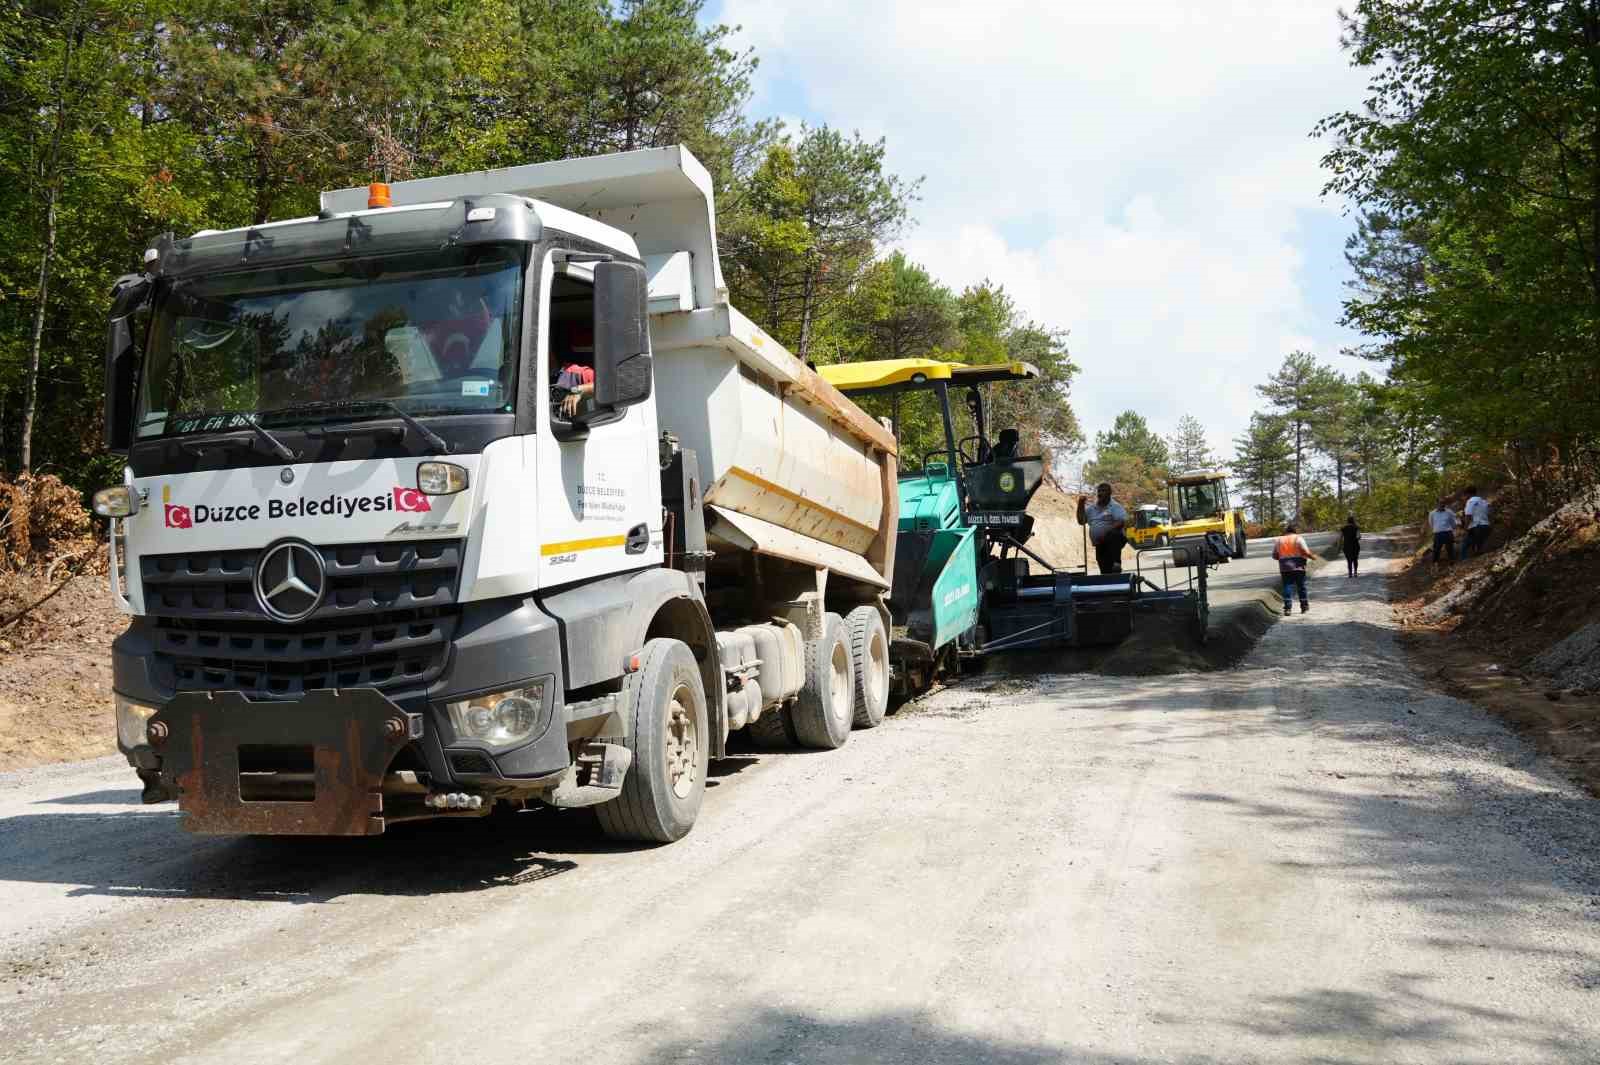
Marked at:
<point>286,475</point>
<point>290,580</point>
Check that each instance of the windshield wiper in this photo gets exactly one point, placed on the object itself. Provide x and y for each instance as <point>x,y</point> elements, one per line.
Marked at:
<point>439,443</point>
<point>277,446</point>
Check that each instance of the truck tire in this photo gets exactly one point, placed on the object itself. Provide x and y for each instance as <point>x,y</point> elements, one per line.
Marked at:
<point>1240,543</point>
<point>669,735</point>
<point>869,654</point>
<point>774,729</point>
<point>825,708</point>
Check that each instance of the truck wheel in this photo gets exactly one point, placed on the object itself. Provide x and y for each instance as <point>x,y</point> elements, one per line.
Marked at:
<point>869,653</point>
<point>826,706</point>
<point>666,706</point>
<point>773,729</point>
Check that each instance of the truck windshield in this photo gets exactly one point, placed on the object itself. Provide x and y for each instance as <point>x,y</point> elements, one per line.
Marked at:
<point>1196,501</point>
<point>428,333</point>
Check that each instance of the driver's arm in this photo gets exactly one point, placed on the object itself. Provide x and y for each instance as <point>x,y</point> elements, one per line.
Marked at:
<point>574,398</point>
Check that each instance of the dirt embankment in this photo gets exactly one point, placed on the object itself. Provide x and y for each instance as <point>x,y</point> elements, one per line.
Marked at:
<point>1518,631</point>
<point>55,670</point>
<point>1057,536</point>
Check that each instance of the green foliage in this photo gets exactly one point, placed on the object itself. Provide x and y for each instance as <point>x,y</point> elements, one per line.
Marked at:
<point>1476,260</point>
<point>1188,446</point>
<point>121,121</point>
<point>816,211</point>
<point>1132,478</point>
<point>987,329</point>
<point>1262,465</point>
<point>187,114</point>
<point>898,311</point>
<point>1300,391</point>
<point>1130,434</point>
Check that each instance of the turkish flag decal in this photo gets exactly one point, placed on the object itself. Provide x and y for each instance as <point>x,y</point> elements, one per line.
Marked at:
<point>410,500</point>
<point>179,517</point>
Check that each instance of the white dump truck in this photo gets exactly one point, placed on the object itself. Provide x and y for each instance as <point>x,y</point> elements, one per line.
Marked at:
<point>475,491</point>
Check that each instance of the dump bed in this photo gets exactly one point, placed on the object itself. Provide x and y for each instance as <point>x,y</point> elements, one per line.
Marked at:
<point>792,467</point>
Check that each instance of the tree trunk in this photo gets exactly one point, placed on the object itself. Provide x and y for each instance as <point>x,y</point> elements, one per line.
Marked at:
<point>1591,38</point>
<point>263,190</point>
<point>52,182</point>
<point>774,300</point>
<point>30,400</point>
<point>807,299</point>
<point>1299,448</point>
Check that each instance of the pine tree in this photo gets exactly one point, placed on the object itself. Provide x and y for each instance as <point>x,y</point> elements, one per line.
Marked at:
<point>1130,434</point>
<point>1262,464</point>
<point>1188,445</point>
<point>1299,391</point>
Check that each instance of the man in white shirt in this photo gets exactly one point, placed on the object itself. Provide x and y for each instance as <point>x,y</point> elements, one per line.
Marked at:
<point>1442,520</point>
<point>1107,521</point>
<point>1477,524</point>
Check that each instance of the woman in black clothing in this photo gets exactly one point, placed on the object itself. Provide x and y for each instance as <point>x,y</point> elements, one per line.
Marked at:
<point>1352,544</point>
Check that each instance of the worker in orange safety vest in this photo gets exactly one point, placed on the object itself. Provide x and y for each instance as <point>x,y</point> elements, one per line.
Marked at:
<point>1293,555</point>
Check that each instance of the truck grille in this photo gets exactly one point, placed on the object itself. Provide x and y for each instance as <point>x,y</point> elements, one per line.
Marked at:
<point>361,578</point>
<point>386,621</point>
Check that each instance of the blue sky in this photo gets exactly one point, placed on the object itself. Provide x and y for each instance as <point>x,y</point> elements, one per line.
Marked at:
<point>1141,175</point>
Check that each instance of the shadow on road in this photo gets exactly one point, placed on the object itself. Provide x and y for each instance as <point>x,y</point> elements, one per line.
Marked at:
<point>801,1037</point>
<point>144,852</point>
<point>1404,1013</point>
<point>103,797</point>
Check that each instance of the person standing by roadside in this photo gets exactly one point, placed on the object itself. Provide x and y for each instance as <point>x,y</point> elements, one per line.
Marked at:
<point>1477,524</point>
<point>1350,533</point>
<point>1442,520</point>
<point>1293,556</point>
<point>1107,521</point>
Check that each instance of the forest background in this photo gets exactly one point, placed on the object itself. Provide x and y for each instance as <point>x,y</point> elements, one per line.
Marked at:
<point>1472,171</point>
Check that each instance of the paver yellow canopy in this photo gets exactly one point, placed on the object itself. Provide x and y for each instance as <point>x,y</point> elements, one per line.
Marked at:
<point>906,375</point>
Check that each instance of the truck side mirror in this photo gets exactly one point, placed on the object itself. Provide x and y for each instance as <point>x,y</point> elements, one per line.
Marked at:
<point>622,373</point>
<point>128,296</point>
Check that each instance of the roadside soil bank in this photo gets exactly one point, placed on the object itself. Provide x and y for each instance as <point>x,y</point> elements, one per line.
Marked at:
<point>1508,632</point>
<point>55,671</point>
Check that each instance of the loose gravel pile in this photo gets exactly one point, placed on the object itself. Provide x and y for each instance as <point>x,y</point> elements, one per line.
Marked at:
<point>1574,662</point>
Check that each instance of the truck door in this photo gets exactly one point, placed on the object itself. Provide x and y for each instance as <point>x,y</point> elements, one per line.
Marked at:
<point>601,483</point>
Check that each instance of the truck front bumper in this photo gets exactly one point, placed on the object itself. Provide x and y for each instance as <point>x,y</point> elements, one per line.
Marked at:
<point>341,740</point>
<point>337,745</point>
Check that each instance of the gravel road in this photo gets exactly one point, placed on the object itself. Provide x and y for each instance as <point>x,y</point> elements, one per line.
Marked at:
<point>1310,858</point>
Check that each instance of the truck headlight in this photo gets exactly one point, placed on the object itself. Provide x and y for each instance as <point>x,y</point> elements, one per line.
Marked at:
<point>440,478</point>
<point>502,718</point>
<point>133,720</point>
<point>118,501</point>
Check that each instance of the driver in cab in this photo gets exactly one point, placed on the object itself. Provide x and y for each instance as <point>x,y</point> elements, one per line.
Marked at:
<point>574,380</point>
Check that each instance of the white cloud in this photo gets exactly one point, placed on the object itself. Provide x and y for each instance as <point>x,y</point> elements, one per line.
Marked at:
<point>1136,173</point>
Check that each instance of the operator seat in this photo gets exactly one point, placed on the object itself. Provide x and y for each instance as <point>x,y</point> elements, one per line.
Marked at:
<point>1005,484</point>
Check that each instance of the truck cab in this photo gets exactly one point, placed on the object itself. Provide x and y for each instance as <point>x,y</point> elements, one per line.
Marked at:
<point>475,491</point>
